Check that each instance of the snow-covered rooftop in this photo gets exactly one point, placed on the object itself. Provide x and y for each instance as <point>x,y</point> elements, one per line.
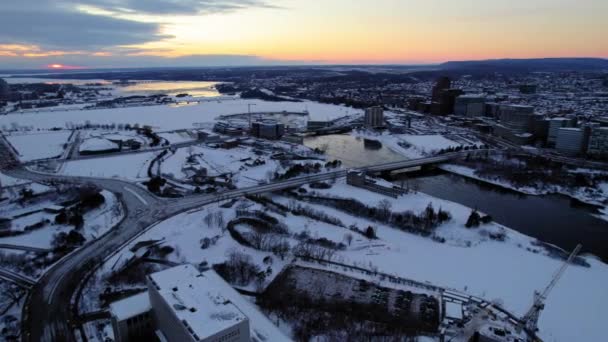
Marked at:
<point>198,298</point>
<point>453,310</point>
<point>97,144</point>
<point>131,306</point>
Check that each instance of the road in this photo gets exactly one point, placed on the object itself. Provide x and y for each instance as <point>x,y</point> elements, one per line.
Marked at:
<point>73,153</point>
<point>47,314</point>
<point>24,248</point>
<point>16,278</point>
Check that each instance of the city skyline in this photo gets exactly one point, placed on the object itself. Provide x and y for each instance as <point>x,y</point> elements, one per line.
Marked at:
<point>130,33</point>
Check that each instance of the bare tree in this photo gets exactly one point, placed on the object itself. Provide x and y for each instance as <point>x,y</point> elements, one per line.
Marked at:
<point>384,207</point>
<point>348,237</point>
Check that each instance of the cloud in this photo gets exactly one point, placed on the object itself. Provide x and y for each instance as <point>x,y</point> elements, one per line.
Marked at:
<point>133,59</point>
<point>53,27</point>
<point>182,7</point>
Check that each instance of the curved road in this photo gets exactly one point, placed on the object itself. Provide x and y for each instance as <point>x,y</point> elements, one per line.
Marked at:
<point>47,315</point>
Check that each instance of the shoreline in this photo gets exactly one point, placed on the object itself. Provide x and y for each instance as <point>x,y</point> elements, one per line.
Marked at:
<point>463,171</point>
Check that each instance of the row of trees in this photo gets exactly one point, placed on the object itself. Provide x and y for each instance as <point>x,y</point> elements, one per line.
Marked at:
<point>423,223</point>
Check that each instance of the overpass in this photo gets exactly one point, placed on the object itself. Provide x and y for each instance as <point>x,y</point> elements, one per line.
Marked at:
<point>17,279</point>
<point>24,248</point>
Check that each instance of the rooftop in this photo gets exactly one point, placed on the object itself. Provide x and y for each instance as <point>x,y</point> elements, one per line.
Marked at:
<point>130,306</point>
<point>202,301</point>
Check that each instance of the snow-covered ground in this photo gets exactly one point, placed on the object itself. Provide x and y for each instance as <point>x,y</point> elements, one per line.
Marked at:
<point>173,117</point>
<point>97,222</point>
<point>176,137</point>
<point>97,145</point>
<point>220,161</point>
<point>39,145</point>
<point>11,186</point>
<point>469,261</point>
<point>132,167</point>
<point>506,271</point>
<point>409,145</point>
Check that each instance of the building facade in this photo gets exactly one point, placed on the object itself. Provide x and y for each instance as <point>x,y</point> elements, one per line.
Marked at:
<point>374,117</point>
<point>469,105</point>
<point>598,142</point>
<point>571,140</point>
<point>181,305</point>
<point>519,119</point>
<point>555,125</point>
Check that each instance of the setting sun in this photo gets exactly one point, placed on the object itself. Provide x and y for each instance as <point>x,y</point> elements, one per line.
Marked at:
<point>56,66</point>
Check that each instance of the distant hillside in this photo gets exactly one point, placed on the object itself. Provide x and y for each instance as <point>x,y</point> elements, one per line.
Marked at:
<point>529,65</point>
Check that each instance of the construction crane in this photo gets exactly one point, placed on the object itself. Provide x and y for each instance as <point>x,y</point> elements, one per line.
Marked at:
<point>530,319</point>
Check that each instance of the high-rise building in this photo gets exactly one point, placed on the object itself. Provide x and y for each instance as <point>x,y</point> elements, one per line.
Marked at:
<point>442,84</point>
<point>469,105</point>
<point>571,140</point>
<point>374,117</point>
<point>517,118</point>
<point>5,90</point>
<point>598,142</point>
<point>554,125</point>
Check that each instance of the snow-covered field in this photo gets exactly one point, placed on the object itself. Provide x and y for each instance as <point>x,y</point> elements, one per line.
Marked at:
<point>39,145</point>
<point>220,161</point>
<point>129,167</point>
<point>505,271</point>
<point>173,117</point>
<point>409,145</point>
<point>97,145</point>
<point>97,222</point>
<point>508,272</point>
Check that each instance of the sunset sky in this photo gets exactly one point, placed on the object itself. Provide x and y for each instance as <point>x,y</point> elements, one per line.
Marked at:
<point>127,33</point>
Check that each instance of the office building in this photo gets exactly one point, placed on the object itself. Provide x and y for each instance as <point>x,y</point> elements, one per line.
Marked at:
<point>571,140</point>
<point>183,304</point>
<point>191,306</point>
<point>268,129</point>
<point>443,83</point>
<point>598,142</point>
<point>517,118</point>
<point>554,126</point>
<point>5,91</point>
<point>374,117</point>
<point>469,105</point>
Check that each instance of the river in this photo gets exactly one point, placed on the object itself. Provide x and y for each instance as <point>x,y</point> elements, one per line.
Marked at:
<point>554,219</point>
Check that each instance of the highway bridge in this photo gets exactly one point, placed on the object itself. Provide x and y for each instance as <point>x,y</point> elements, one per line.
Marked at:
<point>16,278</point>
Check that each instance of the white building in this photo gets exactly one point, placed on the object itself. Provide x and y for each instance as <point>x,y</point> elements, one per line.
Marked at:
<point>183,304</point>
<point>192,306</point>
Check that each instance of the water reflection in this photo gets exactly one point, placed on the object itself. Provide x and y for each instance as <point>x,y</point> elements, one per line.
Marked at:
<point>196,89</point>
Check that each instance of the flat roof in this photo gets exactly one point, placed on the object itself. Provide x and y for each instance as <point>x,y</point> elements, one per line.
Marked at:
<point>198,299</point>
<point>207,287</point>
<point>131,306</point>
<point>453,310</point>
